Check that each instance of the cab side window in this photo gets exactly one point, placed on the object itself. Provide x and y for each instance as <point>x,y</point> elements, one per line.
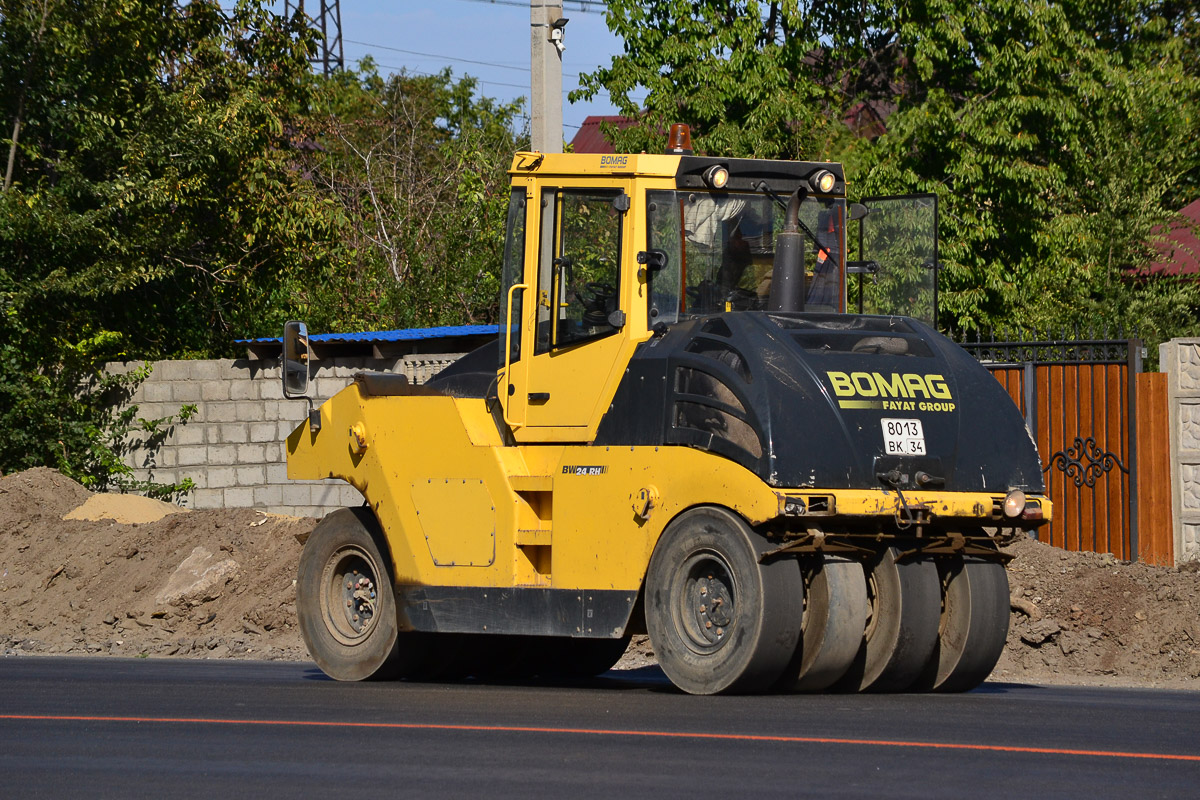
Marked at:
<point>513,272</point>
<point>579,266</point>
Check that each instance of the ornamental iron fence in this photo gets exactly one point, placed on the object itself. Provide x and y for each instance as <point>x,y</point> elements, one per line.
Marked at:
<point>1078,394</point>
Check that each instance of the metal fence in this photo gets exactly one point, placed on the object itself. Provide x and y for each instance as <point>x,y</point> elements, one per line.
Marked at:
<point>1078,394</point>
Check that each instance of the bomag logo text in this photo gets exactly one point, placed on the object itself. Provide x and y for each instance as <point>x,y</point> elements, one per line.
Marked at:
<point>897,391</point>
<point>614,161</point>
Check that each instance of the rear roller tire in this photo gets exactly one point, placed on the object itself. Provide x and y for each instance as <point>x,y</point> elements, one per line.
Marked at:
<point>835,615</point>
<point>346,605</point>
<point>904,600</point>
<point>718,619</point>
<point>973,627</point>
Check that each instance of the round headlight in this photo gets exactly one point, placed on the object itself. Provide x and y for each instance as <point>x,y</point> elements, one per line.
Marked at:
<point>716,177</point>
<point>1014,504</point>
<point>822,181</point>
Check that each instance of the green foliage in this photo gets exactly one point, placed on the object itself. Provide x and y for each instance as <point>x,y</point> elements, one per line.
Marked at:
<point>1054,158</point>
<point>62,415</point>
<point>151,208</point>
<point>740,80</point>
<point>1058,136</point>
<point>415,168</point>
<point>179,179</point>
<point>153,193</point>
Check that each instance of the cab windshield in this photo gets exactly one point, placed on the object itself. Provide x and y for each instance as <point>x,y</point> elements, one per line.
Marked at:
<point>720,252</point>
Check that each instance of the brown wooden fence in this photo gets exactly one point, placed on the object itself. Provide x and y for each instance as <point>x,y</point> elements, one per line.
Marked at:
<point>1080,400</point>
<point>1156,539</point>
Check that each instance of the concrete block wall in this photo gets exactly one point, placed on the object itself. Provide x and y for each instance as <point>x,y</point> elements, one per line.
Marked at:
<point>233,446</point>
<point>1180,359</point>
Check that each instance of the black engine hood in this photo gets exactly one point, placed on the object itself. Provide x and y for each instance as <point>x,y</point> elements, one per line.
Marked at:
<point>808,400</point>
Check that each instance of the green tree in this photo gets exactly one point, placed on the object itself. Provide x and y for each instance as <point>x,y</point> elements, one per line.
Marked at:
<point>416,167</point>
<point>1057,135</point>
<point>1054,156</point>
<point>738,71</point>
<point>150,206</point>
<point>153,193</point>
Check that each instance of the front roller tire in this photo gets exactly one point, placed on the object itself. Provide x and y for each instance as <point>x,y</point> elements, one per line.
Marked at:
<point>718,619</point>
<point>835,613</point>
<point>345,601</point>
<point>973,628</point>
<point>905,602</point>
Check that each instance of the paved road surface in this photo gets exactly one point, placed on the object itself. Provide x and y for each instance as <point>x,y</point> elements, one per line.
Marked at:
<point>122,728</point>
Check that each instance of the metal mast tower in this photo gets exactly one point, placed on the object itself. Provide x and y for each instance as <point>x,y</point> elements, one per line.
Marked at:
<point>329,23</point>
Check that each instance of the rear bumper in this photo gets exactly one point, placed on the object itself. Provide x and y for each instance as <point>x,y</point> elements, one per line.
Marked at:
<point>933,508</point>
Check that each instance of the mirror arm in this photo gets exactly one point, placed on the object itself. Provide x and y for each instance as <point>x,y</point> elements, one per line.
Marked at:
<point>314,417</point>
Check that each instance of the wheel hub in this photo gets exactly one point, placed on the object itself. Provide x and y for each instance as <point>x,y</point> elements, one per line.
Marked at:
<point>708,600</point>
<point>349,595</point>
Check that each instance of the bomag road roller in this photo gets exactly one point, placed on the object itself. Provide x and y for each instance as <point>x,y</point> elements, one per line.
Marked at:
<point>702,421</point>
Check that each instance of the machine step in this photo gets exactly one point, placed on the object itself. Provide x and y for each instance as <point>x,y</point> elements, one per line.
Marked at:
<point>533,536</point>
<point>531,483</point>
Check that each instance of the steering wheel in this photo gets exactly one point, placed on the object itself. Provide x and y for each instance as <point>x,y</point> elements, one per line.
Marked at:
<point>601,291</point>
<point>596,304</point>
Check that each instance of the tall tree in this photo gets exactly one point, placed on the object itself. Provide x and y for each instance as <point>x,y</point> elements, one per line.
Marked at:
<point>152,193</point>
<point>1057,135</point>
<point>740,72</point>
<point>416,166</point>
<point>151,208</point>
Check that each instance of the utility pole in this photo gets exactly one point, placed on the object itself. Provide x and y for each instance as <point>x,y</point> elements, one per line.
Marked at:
<point>329,23</point>
<point>546,27</point>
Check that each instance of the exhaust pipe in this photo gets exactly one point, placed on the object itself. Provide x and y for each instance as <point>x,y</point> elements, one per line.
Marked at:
<point>787,279</point>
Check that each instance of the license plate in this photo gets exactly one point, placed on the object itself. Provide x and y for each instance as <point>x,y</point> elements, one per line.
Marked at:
<point>903,437</point>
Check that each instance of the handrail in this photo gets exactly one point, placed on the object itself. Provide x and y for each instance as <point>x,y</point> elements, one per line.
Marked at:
<point>508,351</point>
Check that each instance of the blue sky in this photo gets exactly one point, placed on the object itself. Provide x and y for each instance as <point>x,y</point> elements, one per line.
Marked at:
<point>446,33</point>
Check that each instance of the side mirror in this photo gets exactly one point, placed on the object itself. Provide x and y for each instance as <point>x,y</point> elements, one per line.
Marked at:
<point>295,360</point>
<point>858,211</point>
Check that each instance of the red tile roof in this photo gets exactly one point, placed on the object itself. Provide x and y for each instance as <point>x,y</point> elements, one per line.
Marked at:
<point>589,139</point>
<point>1180,247</point>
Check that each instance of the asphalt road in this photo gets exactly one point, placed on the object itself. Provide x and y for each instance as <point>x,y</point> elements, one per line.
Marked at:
<point>122,728</point>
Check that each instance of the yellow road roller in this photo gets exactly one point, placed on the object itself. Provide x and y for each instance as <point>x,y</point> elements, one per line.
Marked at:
<point>701,420</point>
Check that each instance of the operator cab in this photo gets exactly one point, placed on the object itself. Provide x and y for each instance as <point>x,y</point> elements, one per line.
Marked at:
<point>604,250</point>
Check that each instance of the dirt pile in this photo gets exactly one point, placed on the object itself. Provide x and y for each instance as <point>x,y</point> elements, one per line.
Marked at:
<point>200,584</point>
<point>1085,617</point>
<point>212,584</point>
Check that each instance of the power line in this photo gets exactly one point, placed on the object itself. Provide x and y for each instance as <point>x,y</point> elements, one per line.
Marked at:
<point>412,71</point>
<point>582,6</point>
<point>523,87</point>
<point>448,58</point>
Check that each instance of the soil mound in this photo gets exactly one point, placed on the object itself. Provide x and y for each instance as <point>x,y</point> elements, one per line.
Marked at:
<point>35,493</point>
<point>1086,617</point>
<point>210,584</point>
<point>203,584</point>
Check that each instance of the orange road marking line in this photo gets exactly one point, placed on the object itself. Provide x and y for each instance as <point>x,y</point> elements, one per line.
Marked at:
<point>746,737</point>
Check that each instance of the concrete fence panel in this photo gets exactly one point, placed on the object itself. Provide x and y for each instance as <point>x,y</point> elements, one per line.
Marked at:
<point>233,447</point>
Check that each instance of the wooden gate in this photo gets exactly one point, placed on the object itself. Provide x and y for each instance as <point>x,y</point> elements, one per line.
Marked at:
<point>1079,400</point>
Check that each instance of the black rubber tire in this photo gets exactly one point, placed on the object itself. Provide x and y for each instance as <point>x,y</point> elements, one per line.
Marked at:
<point>719,620</point>
<point>835,616</point>
<point>905,602</point>
<point>973,628</point>
<point>344,648</point>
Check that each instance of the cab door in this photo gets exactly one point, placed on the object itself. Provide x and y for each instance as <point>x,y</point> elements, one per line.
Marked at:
<point>898,245</point>
<point>574,311</point>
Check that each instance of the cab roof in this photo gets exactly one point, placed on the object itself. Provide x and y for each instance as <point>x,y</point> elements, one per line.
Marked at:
<point>745,174</point>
